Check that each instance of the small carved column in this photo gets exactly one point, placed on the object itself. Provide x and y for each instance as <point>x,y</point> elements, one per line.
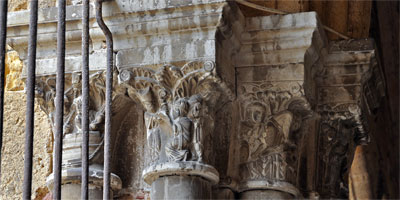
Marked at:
<point>72,138</point>
<point>179,105</point>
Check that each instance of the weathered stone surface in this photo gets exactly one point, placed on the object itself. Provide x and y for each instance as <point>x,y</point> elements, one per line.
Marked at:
<point>12,163</point>
<point>13,71</point>
<point>273,98</point>
<point>343,104</point>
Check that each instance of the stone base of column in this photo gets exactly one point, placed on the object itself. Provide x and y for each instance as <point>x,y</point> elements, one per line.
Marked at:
<point>181,180</point>
<point>181,187</point>
<point>268,189</point>
<point>71,182</point>
<point>265,194</point>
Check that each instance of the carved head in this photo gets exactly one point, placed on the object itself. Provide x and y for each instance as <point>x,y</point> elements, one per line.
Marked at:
<point>146,98</point>
<point>180,108</point>
<point>76,79</point>
<point>257,113</point>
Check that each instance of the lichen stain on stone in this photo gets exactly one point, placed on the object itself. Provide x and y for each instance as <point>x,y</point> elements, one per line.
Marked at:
<point>13,71</point>
<point>41,193</point>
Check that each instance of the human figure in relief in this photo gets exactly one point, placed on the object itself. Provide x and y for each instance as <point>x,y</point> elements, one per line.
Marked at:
<point>197,129</point>
<point>268,132</point>
<point>177,149</point>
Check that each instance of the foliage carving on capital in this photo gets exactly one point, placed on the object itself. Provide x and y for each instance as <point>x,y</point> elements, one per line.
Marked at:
<point>179,104</point>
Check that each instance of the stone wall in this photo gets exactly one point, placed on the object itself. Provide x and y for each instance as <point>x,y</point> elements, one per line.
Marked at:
<point>12,157</point>
<point>12,163</point>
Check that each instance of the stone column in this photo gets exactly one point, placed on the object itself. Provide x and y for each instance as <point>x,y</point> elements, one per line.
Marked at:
<point>179,104</point>
<point>72,138</point>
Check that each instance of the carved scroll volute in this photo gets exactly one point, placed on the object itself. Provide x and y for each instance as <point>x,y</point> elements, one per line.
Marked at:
<point>45,95</point>
<point>179,105</point>
<point>271,118</point>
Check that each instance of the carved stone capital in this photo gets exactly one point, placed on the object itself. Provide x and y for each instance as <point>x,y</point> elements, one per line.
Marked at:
<point>72,138</point>
<point>45,95</point>
<point>276,95</point>
<point>271,115</point>
<point>342,128</point>
<point>179,105</point>
<point>344,97</point>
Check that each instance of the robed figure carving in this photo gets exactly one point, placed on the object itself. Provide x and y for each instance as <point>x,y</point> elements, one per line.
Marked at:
<point>270,118</point>
<point>177,102</point>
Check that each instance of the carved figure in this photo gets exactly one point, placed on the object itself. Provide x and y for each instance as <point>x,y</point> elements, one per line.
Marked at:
<point>342,128</point>
<point>198,132</point>
<point>269,118</point>
<point>45,93</point>
<point>174,100</point>
<point>178,148</point>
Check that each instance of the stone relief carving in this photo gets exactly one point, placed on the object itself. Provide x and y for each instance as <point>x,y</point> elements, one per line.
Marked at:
<point>342,128</point>
<point>179,105</point>
<point>271,113</point>
<point>45,95</point>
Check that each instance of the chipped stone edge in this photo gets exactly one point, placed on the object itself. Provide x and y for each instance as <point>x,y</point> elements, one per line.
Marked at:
<point>73,175</point>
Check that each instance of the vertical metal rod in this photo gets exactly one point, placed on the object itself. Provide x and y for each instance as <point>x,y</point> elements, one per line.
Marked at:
<point>85,100</point>
<point>109,81</point>
<point>58,136</point>
<point>3,36</point>
<point>30,100</point>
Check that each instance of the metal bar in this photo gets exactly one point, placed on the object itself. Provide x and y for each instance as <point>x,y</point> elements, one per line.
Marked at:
<point>30,100</point>
<point>58,136</point>
<point>85,100</point>
<point>3,36</point>
<point>109,81</point>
